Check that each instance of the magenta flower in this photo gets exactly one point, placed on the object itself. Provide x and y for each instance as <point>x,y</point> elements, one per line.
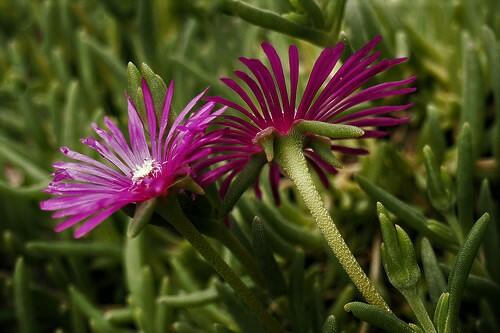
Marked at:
<point>329,97</point>
<point>89,191</point>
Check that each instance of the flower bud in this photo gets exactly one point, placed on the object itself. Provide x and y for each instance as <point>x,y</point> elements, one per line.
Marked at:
<point>398,255</point>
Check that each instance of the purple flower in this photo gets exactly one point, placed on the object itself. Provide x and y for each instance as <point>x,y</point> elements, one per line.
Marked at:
<point>272,109</point>
<point>89,191</point>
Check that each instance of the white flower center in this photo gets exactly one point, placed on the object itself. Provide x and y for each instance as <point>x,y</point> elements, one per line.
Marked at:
<point>149,167</point>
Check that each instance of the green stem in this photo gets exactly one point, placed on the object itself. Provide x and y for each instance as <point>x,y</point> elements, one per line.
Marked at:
<point>172,212</point>
<point>291,158</point>
<point>419,310</point>
<point>271,20</point>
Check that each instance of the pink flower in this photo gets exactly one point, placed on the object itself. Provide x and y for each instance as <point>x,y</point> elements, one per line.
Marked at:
<point>88,191</point>
<point>272,107</point>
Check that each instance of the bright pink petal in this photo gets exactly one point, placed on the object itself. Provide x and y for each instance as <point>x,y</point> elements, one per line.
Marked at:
<point>95,221</point>
<point>151,116</point>
<point>136,133</point>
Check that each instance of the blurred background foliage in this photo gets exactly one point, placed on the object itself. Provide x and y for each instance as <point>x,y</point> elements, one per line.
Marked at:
<point>63,65</point>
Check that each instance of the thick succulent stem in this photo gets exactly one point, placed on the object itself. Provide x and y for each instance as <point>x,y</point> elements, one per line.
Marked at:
<point>172,212</point>
<point>291,158</point>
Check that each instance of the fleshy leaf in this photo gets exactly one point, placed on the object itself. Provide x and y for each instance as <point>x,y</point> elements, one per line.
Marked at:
<point>460,272</point>
<point>333,131</point>
<point>378,317</point>
<point>243,181</point>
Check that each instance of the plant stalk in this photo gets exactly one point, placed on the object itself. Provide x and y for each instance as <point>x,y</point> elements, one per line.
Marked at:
<point>172,213</point>
<point>291,158</point>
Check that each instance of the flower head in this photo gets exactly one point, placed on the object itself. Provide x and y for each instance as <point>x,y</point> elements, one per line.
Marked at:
<point>87,190</point>
<point>272,108</point>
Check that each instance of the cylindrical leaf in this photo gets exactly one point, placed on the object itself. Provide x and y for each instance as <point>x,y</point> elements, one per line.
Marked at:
<point>433,274</point>
<point>465,178</point>
<point>246,178</point>
<point>378,317</point>
<point>22,299</point>
<point>460,272</point>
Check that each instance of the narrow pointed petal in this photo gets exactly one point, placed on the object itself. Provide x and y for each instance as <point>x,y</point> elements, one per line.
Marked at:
<point>125,152</point>
<point>136,133</point>
<point>277,67</point>
<point>257,92</point>
<point>321,69</point>
<point>165,116</point>
<point>293,55</point>
<point>71,221</point>
<point>244,96</point>
<point>94,221</point>
<point>151,116</point>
